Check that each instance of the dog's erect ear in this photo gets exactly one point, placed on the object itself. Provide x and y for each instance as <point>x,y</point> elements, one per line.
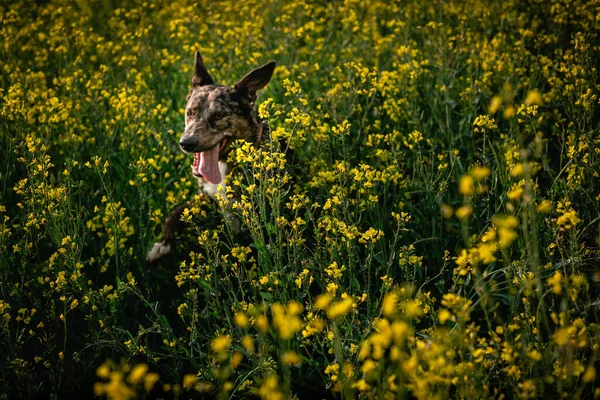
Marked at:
<point>201,76</point>
<point>255,80</point>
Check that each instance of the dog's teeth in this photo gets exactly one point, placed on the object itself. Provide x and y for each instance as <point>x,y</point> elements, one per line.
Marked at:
<point>196,165</point>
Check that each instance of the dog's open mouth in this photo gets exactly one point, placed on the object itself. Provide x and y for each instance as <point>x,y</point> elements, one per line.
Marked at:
<point>206,163</point>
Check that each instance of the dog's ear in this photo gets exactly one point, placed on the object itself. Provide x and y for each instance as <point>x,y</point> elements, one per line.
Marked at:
<point>255,80</point>
<point>201,76</point>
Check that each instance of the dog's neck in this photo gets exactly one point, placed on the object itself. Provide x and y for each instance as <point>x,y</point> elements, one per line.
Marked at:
<point>260,132</point>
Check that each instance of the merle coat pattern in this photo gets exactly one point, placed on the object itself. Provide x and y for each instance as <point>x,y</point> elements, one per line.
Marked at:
<point>215,116</point>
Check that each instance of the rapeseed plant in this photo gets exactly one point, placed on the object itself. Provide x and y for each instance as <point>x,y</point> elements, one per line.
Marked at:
<point>422,222</point>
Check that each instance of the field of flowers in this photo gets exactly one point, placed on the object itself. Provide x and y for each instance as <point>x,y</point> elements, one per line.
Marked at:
<point>434,234</point>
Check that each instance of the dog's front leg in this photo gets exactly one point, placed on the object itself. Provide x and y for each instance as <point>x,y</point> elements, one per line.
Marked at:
<point>172,228</point>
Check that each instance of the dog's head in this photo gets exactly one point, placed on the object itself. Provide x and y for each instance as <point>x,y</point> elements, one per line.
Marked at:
<point>216,115</point>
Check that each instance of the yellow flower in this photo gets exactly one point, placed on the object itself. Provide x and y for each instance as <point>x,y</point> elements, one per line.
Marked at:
<point>555,282</point>
<point>447,211</point>
<point>561,336</point>
<point>116,388</point>
<point>444,315</point>
<point>400,331</point>
<point>236,359</point>
<point>361,385</point>
<point>486,252</point>
<point>590,374</point>
<point>322,301</point>
<point>515,193</point>
<point>389,305</point>
<point>568,220</point>
<point>495,104</point>
<point>286,319</point>
<point>137,373</point>
<point>103,371</point>
<point>505,221</point>
<point>534,97</point>
<point>517,170</point>
<point>544,207</point>
<point>269,389</point>
<point>505,229</point>
<point>466,185</point>
<point>480,173</point>
<point>340,308</point>
<point>262,323</point>
<point>248,343</point>
<point>332,288</point>
<point>372,235</point>
<point>220,344</point>
<point>189,380</point>
<point>332,369</point>
<point>291,358</point>
<point>464,212</point>
<point>412,309</point>
<point>368,366</point>
<point>241,319</point>
<point>150,380</point>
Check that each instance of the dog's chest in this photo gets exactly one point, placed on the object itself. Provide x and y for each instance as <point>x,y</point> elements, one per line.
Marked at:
<point>211,189</point>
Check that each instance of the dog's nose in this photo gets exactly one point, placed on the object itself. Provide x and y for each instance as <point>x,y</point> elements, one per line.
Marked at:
<point>188,144</point>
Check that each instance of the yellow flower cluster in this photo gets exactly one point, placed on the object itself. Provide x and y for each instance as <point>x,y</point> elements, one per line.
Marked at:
<point>419,219</point>
<point>125,382</point>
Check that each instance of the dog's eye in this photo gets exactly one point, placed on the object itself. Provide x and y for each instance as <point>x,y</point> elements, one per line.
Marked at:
<point>189,112</point>
<point>218,116</point>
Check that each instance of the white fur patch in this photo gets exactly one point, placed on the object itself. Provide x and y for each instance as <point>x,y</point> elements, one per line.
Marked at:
<point>158,250</point>
<point>234,221</point>
<point>212,189</point>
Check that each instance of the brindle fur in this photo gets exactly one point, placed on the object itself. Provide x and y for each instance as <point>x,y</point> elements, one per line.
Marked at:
<point>214,113</point>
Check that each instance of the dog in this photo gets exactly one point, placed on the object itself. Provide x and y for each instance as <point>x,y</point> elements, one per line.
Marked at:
<point>215,117</point>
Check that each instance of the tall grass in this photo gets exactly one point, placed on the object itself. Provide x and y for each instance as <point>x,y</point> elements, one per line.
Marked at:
<point>429,227</point>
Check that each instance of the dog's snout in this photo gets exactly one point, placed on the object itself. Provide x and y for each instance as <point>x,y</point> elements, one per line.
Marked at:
<point>188,144</point>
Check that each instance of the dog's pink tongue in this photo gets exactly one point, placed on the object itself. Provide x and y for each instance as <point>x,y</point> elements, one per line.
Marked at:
<point>209,165</point>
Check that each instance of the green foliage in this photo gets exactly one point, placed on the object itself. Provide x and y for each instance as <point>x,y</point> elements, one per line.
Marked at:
<point>429,229</point>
